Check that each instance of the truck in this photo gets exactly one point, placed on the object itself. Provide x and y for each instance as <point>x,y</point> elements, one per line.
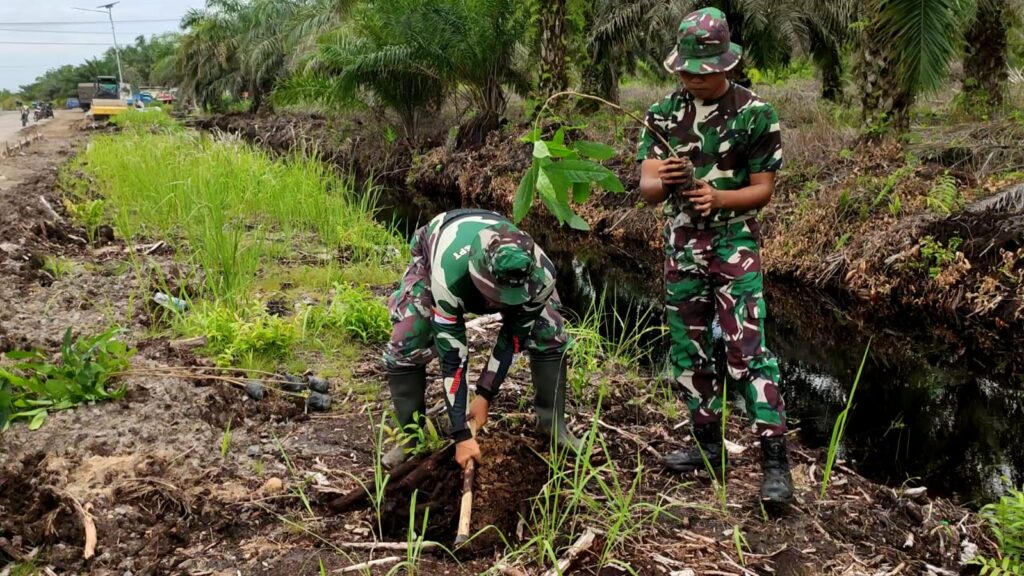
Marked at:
<point>110,98</point>
<point>86,92</point>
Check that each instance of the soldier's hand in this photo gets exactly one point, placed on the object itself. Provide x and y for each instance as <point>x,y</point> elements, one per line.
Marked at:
<point>674,171</point>
<point>478,410</point>
<point>467,450</point>
<point>705,198</point>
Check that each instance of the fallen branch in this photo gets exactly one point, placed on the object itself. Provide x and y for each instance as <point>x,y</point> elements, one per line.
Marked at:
<point>397,546</point>
<point>582,544</point>
<point>370,563</point>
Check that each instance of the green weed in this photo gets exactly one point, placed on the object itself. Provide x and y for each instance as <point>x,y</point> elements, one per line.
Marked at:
<point>148,120</point>
<point>225,441</point>
<point>944,197</point>
<point>739,543</point>
<point>839,428</point>
<point>1006,521</point>
<point>935,256</point>
<point>33,387</point>
<point>57,267</point>
<point>246,334</point>
<point>88,213</point>
<point>353,311</point>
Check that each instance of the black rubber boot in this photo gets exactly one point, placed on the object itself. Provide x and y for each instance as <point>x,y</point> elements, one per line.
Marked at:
<point>549,380</point>
<point>708,452</point>
<point>777,485</point>
<point>408,388</point>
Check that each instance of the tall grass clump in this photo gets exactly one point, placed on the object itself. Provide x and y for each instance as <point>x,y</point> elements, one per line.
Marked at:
<point>230,208</point>
<point>148,120</point>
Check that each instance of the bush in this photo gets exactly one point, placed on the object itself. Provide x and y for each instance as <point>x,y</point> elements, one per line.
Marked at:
<point>34,386</point>
<point>1006,520</point>
<point>246,334</point>
<point>356,312</point>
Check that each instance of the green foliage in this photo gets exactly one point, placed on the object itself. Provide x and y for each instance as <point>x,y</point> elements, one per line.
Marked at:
<point>147,120</point>
<point>88,213</point>
<point>944,196</point>
<point>922,38</point>
<point>34,386</point>
<point>410,55</point>
<point>562,174</point>
<point>57,267</point>
<point>1006,521</point>
<point>839,428</point>
<point>935,256</point>
<point>245,334</point>
<point>225,441</point>
<point>799,69</point>
<point>353,311</point>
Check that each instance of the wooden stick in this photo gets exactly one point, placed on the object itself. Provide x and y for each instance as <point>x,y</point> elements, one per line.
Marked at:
<point>582,545</point>
<point>370,563</point>
<point>396,546</point>
<point>466,509</point>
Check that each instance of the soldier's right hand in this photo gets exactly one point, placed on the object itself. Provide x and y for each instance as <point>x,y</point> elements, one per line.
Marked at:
<point>674,171</point>
<point>466,451</point>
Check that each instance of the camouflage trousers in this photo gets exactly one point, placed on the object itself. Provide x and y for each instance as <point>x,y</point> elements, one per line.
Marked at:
<point>718,271</point>
<point>411,307</point>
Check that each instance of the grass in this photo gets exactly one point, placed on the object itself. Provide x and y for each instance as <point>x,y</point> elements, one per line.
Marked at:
<point>58,267</point>
<point>34,386</point>
<point>225,441</point>
<point>230,208</point>
<point>839,428</point>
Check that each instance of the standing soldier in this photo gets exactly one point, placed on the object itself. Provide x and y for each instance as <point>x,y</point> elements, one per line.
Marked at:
<point>713,264</point>
<point>475,261</point>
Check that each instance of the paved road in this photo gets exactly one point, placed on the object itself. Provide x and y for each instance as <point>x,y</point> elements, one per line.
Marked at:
<point>10,124</point>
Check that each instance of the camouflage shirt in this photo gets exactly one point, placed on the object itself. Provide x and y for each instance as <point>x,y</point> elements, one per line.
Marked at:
<point>727,139</point>
<point>455,294</point>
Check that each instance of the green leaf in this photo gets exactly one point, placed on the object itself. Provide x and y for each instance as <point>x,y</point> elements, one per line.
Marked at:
<point>531,136</point>
<point>580,171</point>
<point>37,420</point>
<point>577,223</point>
<point>549,196</point>
<point>559,137</point>
<point>612,184</point>
<point>540,149</point>
<point>580,192</point>
<point>595,150</point>
<point>24,355</point>
<point>525,194</point>
<point>559,183</point>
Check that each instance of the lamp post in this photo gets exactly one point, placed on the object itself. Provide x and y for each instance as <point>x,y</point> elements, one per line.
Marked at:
<point>108,10</point>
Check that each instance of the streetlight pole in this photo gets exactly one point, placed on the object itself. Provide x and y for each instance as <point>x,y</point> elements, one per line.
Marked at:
<point>108,9</point>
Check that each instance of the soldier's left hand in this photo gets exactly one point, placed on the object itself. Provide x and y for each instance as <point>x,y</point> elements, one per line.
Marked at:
<point>705,198</point>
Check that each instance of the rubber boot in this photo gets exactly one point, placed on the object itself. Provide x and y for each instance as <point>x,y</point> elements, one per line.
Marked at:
<point>408,388</point>
<point>549,382</point>
<point>777,485</point>
<point>707,452</point>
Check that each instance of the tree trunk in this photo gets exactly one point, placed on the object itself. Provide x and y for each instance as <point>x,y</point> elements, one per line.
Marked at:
<point>832,79</point>
<point>884,104</point>
<point>985,56</point>
<point>553,77</point>
<point>600,78</point>
<point>739,73</point>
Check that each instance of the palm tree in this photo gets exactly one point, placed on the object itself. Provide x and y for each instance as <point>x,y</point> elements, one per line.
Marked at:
<point>905,50</point>
<point>985,51</point>
<point>207,59</point>
<point>553,74</point>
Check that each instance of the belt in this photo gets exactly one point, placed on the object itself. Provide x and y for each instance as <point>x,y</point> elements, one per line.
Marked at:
<point>718,224</point>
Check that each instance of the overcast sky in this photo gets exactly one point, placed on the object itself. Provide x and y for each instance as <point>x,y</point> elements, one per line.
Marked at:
<point>55,24</point>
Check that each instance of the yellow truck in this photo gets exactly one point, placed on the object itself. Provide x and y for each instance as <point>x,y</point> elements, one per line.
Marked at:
<point>108,99</point>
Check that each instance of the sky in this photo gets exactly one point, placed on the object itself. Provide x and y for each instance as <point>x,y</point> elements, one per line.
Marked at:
<point>55,24</point>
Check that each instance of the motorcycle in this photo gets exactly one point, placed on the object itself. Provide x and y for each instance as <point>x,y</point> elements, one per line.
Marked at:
<point>37,114</point>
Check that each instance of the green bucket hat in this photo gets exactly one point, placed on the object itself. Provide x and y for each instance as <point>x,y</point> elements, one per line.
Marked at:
<point>703,44</point>
<point>506,268</point>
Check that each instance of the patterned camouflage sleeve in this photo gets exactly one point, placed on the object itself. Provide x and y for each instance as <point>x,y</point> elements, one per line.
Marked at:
<point>649,146</point>
<point>453,353</point>
<point>515,330</point>
<point>765,153</point>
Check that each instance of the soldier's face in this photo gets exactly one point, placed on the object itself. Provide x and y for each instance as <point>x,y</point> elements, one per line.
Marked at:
<point>704,86</point>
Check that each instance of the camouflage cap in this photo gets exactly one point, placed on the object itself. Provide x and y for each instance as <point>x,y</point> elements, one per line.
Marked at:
<point>703,44</point>
<point>504,265</point>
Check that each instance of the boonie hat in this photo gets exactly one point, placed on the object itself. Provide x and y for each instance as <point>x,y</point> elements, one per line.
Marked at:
<point>504,267</point>
<point>703,44</point>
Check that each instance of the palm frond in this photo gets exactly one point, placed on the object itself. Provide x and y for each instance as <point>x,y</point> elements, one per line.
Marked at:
<point>922,34</point>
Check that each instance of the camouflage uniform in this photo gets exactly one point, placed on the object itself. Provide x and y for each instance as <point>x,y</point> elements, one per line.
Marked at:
<point>713,264</point>
<point>446,279</point>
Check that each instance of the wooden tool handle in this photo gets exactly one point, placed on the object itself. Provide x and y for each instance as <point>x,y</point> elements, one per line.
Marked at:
<point>466,509</point>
